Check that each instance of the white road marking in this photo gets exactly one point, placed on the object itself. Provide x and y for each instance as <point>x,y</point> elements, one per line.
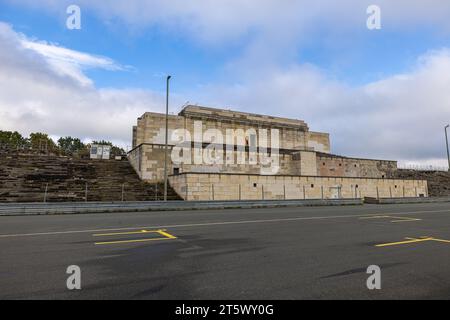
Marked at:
<point>216,223</point>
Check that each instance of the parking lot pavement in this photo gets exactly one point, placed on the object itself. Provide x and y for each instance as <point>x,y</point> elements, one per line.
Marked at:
<point>291,253</point>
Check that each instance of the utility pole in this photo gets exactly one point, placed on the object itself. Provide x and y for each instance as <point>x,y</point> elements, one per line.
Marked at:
<point>167,140</point>
<point>446,140</point>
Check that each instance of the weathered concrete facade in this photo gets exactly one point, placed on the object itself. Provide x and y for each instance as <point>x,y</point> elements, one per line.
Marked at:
<point>273,153</point>
<point>294,134</point>
<point>338,166</point>
<point>197,186</point>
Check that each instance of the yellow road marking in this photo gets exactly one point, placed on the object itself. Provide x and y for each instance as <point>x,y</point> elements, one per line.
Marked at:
<point>403,242</point>
<point>222,223</point>
<point>418,238</point>
<point>123,233</point>
<point>412,240</point>
<point>398,219</point>
<point>441,240</point>
<point>132,241</point>
<point>168,235</point>
<point>162,232</point>
<point>403,219</point>
<point>373,217</point>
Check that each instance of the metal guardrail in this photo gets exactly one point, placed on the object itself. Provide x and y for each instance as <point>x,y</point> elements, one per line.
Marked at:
<point>370,200</point>
<point>9,209</point>
<point>423,168</point>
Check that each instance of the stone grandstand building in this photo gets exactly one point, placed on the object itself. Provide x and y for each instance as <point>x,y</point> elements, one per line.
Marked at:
<point>217,154</point>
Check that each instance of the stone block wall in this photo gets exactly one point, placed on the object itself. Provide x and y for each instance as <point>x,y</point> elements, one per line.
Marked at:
<point>151,128</point>
<point>319,141</point>
<point>148,161</point>
<point>301,152</point>
<point>337,166</point>
<point>196,186</point>
<point>294,134</point>
<point>308,165</point>
<point>438,181</point>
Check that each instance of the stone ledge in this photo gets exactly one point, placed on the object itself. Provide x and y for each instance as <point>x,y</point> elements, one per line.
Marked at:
<point>370,200</point>
<point>20,209</point>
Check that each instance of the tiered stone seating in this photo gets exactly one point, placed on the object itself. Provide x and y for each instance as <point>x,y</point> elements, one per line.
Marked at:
<point>25,177</point>
<point>438,181</point>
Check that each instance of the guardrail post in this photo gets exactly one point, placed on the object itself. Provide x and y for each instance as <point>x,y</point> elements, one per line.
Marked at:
<point>284,191</point>
<point>212,191</point>
<point>321,188</point>
<point>378,194</point>
<point>304,193</point>
<point>123,190</point>
<point>390,191</point>
<point>262,191</point>
<point>45,194</point>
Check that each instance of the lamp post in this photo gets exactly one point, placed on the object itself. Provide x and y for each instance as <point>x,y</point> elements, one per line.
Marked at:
<point>446,140</point>
<point>167,140</point>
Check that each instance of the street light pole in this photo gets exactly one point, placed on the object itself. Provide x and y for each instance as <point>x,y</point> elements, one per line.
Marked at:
<point>446,140</point>
<point>167,140</point>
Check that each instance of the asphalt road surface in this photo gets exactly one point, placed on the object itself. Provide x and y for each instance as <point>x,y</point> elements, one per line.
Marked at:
<point>291,253</point>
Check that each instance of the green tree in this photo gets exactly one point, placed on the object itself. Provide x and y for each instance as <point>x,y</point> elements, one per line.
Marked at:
<point>42,142</point>
<point>12,139</point>
<point>71,145</point>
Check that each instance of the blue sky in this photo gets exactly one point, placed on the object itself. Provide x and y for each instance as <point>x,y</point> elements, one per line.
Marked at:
<point>151,53</point>
<point>311,60</point>
<point>362,57</point>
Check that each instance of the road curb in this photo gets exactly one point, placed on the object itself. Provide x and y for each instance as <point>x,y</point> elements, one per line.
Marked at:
<point>25,209</point>
<point>370,200</point>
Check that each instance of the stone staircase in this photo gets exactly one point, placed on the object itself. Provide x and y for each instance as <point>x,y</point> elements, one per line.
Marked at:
<point>438,181</point>
<point>25,177</point>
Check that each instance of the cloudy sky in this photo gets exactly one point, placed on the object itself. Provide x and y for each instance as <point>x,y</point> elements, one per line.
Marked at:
<point>380,93</point>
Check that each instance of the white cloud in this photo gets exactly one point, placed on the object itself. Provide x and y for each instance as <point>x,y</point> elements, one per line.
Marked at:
<point>68,62</point>
<point>39,94</point>
<point>220,21</point>
<point>80,59</point>
<point>401,117</point>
